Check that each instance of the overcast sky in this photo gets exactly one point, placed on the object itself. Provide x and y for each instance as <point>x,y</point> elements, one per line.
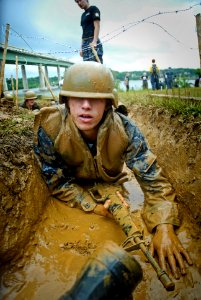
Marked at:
<point>50,26</point>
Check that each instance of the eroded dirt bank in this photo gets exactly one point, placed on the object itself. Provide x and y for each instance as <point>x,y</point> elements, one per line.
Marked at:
<point>62,239</point>
<point>23,194</point>
<point>177,144</point>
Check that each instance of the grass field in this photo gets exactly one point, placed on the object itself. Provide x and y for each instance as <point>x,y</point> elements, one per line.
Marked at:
<point>176,105</point>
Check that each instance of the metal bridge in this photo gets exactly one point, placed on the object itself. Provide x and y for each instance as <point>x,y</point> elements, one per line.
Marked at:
<point>25,57</point>
<point>31,58</point>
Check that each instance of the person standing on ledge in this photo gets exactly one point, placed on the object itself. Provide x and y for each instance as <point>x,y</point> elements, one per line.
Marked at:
<point>126,81</point>
<point>90,22</point>
<point>154,75</point>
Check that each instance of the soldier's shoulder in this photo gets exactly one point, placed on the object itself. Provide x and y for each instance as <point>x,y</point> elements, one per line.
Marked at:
<point>50,113</point>
<point>50,118</point>
<point>50,109</point>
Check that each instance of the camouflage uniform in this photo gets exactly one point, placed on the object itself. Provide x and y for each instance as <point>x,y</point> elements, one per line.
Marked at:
<point>67,163</point>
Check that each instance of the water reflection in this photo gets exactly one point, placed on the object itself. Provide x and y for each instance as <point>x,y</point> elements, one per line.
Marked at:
<point>40,92</point>
<point>136,196</point>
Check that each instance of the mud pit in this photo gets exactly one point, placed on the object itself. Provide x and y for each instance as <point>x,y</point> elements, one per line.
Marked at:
<point>45,244</point>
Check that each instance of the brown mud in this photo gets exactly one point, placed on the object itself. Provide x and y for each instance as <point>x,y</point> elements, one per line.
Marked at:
<point>44,244</point>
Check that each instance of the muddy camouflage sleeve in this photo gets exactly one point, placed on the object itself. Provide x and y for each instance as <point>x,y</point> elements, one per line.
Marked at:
<point>159,204</point>
<point>57,175</point>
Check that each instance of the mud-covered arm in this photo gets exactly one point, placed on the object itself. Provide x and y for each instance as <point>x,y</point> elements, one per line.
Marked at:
<point>159,204</point>
<point>58,175</point>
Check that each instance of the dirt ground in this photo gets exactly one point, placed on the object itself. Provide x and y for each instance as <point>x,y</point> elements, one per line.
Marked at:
<point>44,244</point>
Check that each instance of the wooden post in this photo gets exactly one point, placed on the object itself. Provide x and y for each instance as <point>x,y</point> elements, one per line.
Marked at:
<point>198,24</point>
<point>95,54</point>
<point>4,59</point>
<point>13,86</point>
<point>16,96</point>
<point>47,83</point>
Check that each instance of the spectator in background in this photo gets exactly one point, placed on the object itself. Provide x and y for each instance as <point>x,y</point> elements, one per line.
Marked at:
<point>144,81</point>
<point>90,22</point>
<point>29,101</point>
<point>154,72</point>
<point>169,78</point>
<point>198,81</point>
<point>175,81</point>
<point>161,85</point>
<point>126,81</point>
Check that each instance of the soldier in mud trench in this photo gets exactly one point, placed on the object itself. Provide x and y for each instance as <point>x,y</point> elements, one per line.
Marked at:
<point>81,147</point>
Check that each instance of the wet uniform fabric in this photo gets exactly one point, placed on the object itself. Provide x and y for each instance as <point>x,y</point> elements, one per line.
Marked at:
<point>88,17</point>
<point>67,163</point>
<point>35,106</point>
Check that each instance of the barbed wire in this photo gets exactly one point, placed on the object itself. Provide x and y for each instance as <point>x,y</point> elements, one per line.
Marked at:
<point>21,36</point>
<point>156,24</point>
<point>124,28</point>
<point>16,34</point>
<point>154,15</point>
<point>106,38</point>
<point>42,56</point>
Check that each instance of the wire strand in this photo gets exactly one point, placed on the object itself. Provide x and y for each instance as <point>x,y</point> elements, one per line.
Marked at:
<point>109,36</point>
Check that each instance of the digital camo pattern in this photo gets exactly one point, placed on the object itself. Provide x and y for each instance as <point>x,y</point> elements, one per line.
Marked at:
<point>159,196</point>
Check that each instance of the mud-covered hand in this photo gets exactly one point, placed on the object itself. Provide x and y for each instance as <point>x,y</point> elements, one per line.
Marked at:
<point>102,209</point>
<point>169,249</point>
<point>104,195</point>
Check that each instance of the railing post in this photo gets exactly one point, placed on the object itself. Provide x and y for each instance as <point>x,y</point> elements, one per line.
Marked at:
<point>4,59</point>
<point>41,77</point>
<point>198,24</point>
<point>24,77</point>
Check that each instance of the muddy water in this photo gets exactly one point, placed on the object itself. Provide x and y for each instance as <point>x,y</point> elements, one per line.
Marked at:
<point>67,237</point>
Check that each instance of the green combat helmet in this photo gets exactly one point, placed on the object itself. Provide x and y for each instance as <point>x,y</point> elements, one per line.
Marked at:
<point>9,97</point>
<point>7,100</point>
<point>88,80</point>
<point>30,95</point>
<point>111,273</point>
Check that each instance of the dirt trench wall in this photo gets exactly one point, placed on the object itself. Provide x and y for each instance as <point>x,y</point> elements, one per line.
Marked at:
<point>177,144</point>
<point>23,195</point>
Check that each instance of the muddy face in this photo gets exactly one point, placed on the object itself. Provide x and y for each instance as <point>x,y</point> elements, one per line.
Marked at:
<point>87,114</point>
